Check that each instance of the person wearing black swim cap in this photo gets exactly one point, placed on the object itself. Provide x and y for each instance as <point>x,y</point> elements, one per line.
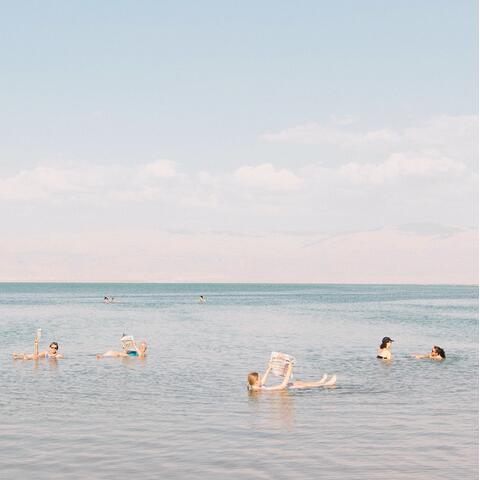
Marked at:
<point>384,351</point>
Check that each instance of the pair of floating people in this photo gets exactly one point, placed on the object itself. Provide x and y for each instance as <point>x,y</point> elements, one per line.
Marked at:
<point>130,349</point>
<point>385,353</point>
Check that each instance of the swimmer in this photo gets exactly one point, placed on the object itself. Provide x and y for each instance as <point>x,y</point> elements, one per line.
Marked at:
<point>140,352</point>
<point>202,299</point>
<point>384,352</point>
<point>437,353</point>
<point>255,382</point>
<point>52,352</point>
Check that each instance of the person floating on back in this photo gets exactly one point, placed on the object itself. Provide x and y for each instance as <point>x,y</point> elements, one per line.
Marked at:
<point>255,382</point>
<point>437,353</point>
<point>130,349</point>
<point>384,352</point>
<point>51,353</point>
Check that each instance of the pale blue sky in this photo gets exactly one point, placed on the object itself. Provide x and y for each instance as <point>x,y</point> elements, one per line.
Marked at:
<point>253,118</point>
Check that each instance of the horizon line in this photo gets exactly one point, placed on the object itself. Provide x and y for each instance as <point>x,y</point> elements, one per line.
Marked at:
<point>55,282</point>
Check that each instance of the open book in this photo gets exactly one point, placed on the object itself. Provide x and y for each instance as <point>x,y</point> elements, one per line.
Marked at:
<point>280,362</point>
<point>128,343</point>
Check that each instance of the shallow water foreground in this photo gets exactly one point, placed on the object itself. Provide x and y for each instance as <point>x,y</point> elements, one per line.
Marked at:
<point>184,412</point>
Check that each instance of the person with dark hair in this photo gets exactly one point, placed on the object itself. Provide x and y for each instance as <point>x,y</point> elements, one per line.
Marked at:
<point>384,352</point>
<point>437,353</point>
<point>52,352</point>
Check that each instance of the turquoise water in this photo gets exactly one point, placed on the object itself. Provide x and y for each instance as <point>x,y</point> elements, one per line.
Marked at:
<point>184,411</point>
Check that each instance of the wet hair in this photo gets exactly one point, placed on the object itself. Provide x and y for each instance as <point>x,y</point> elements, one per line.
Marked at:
<point>384,343</point>
<point>54,343</point>
<point>252,379</point>
<point>439,350</point>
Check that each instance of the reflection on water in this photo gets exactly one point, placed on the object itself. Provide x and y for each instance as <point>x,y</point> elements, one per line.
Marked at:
<point>276,409</point>
<point>184,411</point>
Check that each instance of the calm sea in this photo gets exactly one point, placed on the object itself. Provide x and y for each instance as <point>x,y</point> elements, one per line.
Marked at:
<point>184,411</point>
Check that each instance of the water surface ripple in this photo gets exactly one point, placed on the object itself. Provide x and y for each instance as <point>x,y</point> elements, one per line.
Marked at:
<point>184,411</point>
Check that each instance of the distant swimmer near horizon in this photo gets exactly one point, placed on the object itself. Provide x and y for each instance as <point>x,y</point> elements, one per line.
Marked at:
<point>384,352</point>
<point>257,383</point>
<point>130,349</point>
<point>202,299</point>
<point>51,353</point>
<point>437,353</point>
<point>107,299</point>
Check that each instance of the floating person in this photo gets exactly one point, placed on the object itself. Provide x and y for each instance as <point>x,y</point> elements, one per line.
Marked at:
<point>107,299</point>
<point>202,299</point>
<point>437,353</point>
<point>51,353</point>
<point>384,351</point>
<point>130,349</point>
<point>256,383</point>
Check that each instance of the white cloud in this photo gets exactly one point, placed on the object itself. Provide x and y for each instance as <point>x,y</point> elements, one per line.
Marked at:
<point>90,182</point>
<point>40,183</point>
<point>401,165</point>
<point>161,169</point>
<point>444,130</point>
<point>453,136</point>
<point>343,119</point>
<point>266,176</point>
<point>316,134</point>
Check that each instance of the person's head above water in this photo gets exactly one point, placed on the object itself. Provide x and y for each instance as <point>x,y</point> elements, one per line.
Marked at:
<point>142,348</point>
<point>385,342</point>
<point>253,379</point>
<point>53,347</point>
<point>438,351</point>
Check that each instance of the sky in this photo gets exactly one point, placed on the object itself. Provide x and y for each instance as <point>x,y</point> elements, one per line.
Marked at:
<point>213,141</point>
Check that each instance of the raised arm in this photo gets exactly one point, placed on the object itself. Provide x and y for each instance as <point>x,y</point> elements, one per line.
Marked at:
<point>35,347</point>
<point>287,376</point>
<point>284,384</point>
<point>266,374</point>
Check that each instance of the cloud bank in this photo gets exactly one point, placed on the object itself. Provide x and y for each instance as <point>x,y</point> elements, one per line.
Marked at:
<point>284,219</point>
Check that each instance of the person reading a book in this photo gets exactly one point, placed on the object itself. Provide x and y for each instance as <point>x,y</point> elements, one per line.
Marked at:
<point>256,382</point>
<point>130,351</point>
